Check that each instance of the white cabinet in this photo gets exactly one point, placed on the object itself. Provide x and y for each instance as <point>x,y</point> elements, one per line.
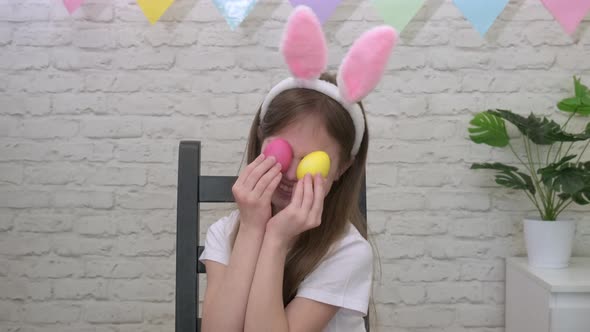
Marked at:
<point>547,300</point>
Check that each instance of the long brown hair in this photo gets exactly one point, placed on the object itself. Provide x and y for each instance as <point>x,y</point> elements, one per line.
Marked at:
<point>341,203</point>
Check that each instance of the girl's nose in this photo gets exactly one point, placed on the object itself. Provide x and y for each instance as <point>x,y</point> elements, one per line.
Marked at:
<point>291,173</point>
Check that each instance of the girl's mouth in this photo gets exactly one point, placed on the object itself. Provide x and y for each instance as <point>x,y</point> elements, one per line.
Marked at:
<point>285,189</point>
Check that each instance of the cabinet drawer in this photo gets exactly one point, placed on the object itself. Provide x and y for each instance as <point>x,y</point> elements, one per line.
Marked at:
<point>570,319</point>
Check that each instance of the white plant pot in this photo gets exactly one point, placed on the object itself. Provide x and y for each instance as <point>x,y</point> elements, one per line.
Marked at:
<point>549,243</point>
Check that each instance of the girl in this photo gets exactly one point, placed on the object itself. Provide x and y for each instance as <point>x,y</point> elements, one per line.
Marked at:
<point>294,256</point>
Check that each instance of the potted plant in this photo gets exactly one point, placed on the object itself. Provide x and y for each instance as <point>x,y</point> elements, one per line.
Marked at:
<point>550,172</point>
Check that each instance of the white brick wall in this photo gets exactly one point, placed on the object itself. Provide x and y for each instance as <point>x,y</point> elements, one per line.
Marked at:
<point>92,108</point>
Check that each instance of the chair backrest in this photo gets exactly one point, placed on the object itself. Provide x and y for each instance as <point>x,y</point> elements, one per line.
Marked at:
<point>193,189</point>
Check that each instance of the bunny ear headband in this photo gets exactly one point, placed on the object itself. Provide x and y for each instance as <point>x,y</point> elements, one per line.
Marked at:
<point>305,52</point>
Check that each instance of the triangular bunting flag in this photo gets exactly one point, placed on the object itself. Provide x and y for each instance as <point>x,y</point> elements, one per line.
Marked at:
<point>72,5</point>
<point>569,13</point>
<point>481,13</point>
<point>398,13</point>
<point>322,8</point>
<point>234,11</point>
<point>154,9</point>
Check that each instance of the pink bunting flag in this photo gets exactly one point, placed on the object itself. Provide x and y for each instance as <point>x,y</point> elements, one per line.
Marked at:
<point>569,13</point>
<point>72,5</point>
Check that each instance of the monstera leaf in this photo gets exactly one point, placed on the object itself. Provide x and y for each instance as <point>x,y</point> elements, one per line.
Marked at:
<point>565,177</point>
<point>570,104</point>
<point>488,129</point>
<point>508,176</point>
<point>541,131</point>
<point>580,103</point>
<point>582,196</point>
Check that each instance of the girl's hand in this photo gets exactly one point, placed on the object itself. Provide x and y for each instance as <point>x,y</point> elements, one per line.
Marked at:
<point>303,213</point>
<point>253,191</point>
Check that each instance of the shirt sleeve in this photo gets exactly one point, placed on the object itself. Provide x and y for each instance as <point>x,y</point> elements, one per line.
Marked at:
<point>344,278</point>
<point>217,242</point>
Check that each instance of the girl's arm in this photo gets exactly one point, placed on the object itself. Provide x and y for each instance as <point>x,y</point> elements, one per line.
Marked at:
<point>265,307</point>
<point>226,296</point>
<point>228,287</point>
<point>265,311</point>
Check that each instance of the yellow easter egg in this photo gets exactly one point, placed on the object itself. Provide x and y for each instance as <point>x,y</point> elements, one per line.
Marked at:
<point>313,163</point>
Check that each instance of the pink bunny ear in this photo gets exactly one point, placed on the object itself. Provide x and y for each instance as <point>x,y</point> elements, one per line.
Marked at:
<point>365,62</point>
<point>304,46</point>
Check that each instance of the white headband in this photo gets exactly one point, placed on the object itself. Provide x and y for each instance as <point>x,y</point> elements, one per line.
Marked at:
<point>305,52</point>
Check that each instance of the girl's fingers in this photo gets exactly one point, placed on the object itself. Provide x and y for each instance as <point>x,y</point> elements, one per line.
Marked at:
<point>270,189</point>
<point>246,173</point>
<point>265,180</point>
<point>297,195</point>
<point>318,198</point>
<point>260,169</point>
<point>307,193</point>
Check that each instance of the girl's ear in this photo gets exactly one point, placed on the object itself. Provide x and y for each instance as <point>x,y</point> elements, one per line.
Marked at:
<point>344,168</point>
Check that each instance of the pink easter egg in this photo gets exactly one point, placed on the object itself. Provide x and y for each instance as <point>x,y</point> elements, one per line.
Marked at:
<point>281,150</point>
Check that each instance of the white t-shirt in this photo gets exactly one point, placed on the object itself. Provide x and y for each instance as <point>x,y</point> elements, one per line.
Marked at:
<point>343,278</point>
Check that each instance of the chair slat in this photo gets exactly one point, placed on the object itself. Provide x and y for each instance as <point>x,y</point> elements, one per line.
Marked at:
<point>216,189</point>
<point>187,231</point>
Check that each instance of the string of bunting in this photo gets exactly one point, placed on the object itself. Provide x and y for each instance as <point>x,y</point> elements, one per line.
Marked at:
<point>398,13</point>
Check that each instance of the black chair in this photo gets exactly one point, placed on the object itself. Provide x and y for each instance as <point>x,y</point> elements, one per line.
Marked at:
<point>194,188</point>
